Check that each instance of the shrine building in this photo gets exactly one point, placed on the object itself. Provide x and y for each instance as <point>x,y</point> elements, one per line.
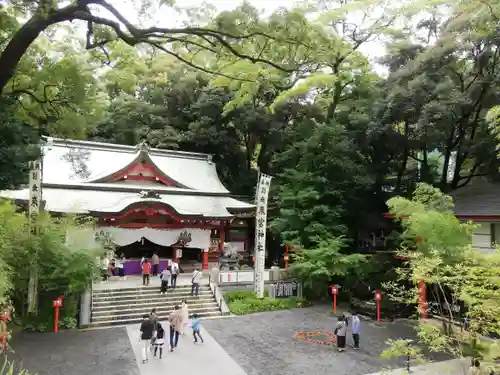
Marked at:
<point>144,200</point>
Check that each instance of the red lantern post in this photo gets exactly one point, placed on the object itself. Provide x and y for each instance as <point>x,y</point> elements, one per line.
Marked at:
<point>378,297</point>
<point>4,317</point>
<point>57,304</point>
<point>287,249</point>
<point>335,291</point>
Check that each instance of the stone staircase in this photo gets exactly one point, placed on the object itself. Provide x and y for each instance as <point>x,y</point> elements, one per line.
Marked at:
<point>128,305</point>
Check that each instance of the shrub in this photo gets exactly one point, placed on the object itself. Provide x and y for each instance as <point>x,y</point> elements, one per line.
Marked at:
<point>63,269</point>
<point>245,302</point>
<point>8,368</point>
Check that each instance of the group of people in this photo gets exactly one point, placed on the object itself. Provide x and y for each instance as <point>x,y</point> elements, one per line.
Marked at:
<point>152,268</point>
<point>112,267</point>
<point>152,333</point>
<point>341,331</point>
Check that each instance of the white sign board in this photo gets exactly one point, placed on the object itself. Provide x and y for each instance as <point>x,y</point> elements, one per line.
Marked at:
<point>260,233</point>
<point>35,189</point>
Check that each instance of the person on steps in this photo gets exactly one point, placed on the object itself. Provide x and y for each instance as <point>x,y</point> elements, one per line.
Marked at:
<point>147,331</point>
<point>160,340</point>
<point>174,270</point>
<point>165,276</point>
<point>146,271</point>
<point>195,282</point>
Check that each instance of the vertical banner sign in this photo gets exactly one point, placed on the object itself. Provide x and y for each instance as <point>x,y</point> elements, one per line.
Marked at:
<point>35,197</point>
<point>255,240</point>
<point>260,229</point>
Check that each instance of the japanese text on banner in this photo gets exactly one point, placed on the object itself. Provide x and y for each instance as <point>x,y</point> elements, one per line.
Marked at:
<point>260,235</point>
<point>35,188</point>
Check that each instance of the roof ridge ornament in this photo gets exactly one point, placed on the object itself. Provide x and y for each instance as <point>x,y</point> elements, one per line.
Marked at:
<point>143,146</point>
<point>150,194</point>
<point>209,159</point>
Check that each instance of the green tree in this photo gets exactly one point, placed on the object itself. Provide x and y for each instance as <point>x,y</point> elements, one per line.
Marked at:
<point>438,247</point>
<point>18,146</point>
<point>217,39</point>
<point>320,187</point>
<point>63,269</point>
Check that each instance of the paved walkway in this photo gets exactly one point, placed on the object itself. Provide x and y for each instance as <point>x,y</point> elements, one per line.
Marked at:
<point>189,358</point>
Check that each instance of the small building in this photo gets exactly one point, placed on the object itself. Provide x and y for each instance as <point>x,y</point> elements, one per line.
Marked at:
<point>479,202</point>
<point>144,200</point>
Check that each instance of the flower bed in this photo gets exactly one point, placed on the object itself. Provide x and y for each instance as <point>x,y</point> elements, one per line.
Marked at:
<point>317,337</point>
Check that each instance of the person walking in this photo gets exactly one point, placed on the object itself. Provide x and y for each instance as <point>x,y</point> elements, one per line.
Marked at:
<point>185,315</point>
<point>155,261</point>
<point>340,332</point>
<point>146,270</point>
<point>195,282</point>
<point>164,277</point>
<point>356,329</point>
<point>195,326</point>
<point>159,341</point>
<point>153,316</point>
<point>174,270</point>
<point>175,320</point>
<point>147,332</point>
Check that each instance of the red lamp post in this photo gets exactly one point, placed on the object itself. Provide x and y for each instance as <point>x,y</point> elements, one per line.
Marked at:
<point>335,291</point>
<point>287,249</point>
<point>378,298</point>
<point>57,304</point>
<point>4,317</point>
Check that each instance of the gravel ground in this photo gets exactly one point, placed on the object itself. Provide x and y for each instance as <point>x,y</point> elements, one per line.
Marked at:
<point>104,351</point>
<point>265,344</point>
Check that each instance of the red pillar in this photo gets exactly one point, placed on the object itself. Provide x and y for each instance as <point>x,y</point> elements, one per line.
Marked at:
<point>204,266</point>
<point>422,299</point>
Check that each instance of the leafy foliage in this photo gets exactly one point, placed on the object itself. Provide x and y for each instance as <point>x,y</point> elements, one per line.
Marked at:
<point>455,274</point>
<point>245,302</point>
<point>63,270</point>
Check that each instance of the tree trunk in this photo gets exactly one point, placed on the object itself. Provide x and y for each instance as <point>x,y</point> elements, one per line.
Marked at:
<point>17,47</point>
<point>24,38</point>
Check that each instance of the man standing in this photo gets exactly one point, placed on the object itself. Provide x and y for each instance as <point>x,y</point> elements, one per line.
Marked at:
<point>155,260</point>
<point>146,270</point>
<point>195,282</point>
<point>175,320</point>
<point>147,330</point>
<point>174,270</point>
<point>356,329</point>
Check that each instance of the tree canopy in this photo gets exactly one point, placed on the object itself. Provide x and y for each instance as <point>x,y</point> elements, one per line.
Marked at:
<point>294,94</point>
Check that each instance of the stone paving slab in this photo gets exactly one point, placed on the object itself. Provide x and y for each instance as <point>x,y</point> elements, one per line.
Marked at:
<point>265,344</point>
<point>99,352</point>
<point>189,358</point>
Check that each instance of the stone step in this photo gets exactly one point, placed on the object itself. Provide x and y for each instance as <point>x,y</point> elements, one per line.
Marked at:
<point>121,321</point>
<point>163,315</point>
<point>107,304</point>
<point>163,309</point>
<point>147,289</point>
<point>148,296</point>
